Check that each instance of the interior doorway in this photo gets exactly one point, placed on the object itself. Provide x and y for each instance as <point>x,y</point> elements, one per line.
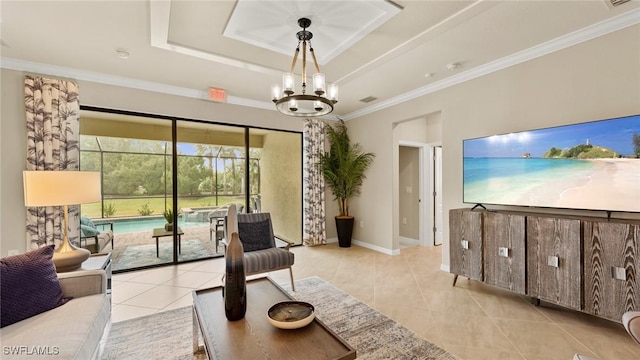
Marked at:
<point>436,152</point>
<point>419,193</point>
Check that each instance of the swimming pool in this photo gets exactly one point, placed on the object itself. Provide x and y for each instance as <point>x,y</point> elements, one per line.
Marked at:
<point>121,226</point>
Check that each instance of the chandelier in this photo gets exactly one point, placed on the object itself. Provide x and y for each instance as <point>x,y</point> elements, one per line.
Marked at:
<point>303,104</point>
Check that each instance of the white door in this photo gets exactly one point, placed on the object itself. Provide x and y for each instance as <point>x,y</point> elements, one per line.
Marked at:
<point>437,196</point>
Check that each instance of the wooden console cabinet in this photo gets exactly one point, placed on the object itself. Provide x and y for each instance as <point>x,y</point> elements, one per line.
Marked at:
<point>553,260</point>
<point>466,243</point>
<point>581,263</point>
<point>611,279</point>
<point>504,252</point>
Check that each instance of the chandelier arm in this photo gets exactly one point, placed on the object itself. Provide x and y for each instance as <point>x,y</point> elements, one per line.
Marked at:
<point>295,58</point>
<point>313,55</point>
<point>304,66</point>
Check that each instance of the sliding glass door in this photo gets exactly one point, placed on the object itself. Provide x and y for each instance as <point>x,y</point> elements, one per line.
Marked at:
<point>216,165</point>
<point>211,177</point>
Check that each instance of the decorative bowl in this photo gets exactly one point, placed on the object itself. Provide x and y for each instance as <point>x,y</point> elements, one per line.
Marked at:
<point>291,314</point>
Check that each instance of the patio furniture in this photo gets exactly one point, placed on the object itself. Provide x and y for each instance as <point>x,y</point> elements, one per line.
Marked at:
<point>162,232</point>
<point>101,236</point>
<point>216,222</point>
<point>261,254</point>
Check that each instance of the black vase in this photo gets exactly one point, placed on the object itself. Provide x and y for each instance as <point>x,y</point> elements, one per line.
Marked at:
<point>344,227</point>
<point>235,286</point>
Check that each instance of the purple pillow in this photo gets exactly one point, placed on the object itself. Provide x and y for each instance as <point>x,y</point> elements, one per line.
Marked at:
<point>29,285</point>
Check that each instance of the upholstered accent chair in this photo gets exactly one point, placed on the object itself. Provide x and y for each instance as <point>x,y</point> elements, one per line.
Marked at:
<point>101,233</point>
<point>631,322</point>
<point>259,242</point>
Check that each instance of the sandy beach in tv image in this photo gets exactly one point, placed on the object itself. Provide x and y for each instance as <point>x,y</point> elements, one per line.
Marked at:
<point>585,166</point>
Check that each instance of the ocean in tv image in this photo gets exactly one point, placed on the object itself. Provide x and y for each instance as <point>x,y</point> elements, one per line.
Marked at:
<point>592,165</point>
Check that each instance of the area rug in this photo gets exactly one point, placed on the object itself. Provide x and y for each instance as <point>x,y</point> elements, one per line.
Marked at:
<point>168,335</point>
<point>144,255</point>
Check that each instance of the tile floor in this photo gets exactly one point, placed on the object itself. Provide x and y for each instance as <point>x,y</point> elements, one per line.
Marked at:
<point>471,320</point>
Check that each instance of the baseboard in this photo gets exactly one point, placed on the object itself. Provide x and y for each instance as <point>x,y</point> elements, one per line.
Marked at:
<point>376,248</point>
<point>409,241</point>
<point>368,246</point>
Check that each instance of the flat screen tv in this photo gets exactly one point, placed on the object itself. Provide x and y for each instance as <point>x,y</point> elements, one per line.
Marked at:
<point>593,166</point>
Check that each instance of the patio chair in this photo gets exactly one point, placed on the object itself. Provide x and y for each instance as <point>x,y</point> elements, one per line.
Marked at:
<point>216,222</point>
<point>261,254</point>
<point>101,236</point>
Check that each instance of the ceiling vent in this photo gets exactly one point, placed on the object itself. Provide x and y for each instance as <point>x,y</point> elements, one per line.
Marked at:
<point>368,99</point>
<point>617,2</point>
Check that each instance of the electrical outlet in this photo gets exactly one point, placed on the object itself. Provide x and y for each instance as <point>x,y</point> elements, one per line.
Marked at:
<point>13,252</point>
<point>361,223</point>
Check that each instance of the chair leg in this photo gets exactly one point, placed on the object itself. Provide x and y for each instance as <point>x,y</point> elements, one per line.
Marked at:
<point>293,286</point>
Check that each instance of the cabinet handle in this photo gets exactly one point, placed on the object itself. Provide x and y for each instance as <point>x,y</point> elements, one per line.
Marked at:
<point>503,251</point>
<point>553,261</point>
<point>618,273</point>
<point>465,244</point>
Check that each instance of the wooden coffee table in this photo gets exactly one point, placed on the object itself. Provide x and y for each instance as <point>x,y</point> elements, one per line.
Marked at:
<point>254,337</point>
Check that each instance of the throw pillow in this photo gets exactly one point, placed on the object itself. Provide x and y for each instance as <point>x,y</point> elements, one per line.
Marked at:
<point>88,231</point>
<point>255,235</point>
<point>29,285</point>
<point>87,222</point>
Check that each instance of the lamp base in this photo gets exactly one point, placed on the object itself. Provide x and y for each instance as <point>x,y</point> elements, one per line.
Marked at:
<point>68,257</point>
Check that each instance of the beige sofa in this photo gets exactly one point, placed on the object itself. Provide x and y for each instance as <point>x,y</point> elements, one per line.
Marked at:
<point>75,330</point>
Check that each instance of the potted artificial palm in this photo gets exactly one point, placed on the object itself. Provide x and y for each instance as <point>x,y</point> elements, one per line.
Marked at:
<point>168,216</point>
<point>343,168</point>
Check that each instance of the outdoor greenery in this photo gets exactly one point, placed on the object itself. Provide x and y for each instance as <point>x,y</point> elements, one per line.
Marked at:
<point>168,215</point>
<point>109,209</point>
<point>141,171</point>
<point>582,151</point>
<point>145,210</point>
<point>131,206</point>
<point>344,166</point>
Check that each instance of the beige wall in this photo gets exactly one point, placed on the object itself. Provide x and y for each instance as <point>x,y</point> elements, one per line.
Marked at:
<point>281,183</point>
<point>13,134</point>
<point>408,162</point>
<point>594,80</point>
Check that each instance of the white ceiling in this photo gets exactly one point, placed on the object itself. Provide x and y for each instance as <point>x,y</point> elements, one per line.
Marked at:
<point>370,48</point>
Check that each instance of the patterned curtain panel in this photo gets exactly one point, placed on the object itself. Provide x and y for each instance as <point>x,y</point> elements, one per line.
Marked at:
<point>313,143</point>
<point>53,124</point>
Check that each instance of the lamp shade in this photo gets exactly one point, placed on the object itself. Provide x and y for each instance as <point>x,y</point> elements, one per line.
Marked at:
<point>55,188</point>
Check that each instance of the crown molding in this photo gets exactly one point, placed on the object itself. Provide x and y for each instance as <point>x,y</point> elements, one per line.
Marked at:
<point>108,79</point>
<point>613,24</point>
<point>610,25</point>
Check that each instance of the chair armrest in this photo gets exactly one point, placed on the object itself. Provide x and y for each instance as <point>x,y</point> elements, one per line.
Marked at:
<point>83,283</point>
<point>103,224</point>
<point>289,242</point>
<point>631,321</point>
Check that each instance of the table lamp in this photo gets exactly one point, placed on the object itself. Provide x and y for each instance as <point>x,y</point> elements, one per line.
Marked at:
<point>63,188</point>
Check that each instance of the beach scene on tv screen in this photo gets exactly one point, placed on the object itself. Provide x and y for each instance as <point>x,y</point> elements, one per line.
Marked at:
<point>594,165</point>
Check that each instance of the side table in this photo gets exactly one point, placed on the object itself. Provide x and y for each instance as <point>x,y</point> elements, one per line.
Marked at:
<point>99,262</point>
